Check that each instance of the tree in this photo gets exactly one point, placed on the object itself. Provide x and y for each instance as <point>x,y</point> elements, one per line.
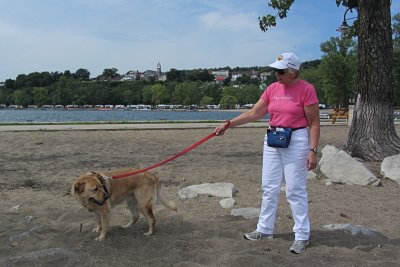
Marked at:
<point>372,135</point>
<point>212,90</point>
<point>249,94</point>
<point>159,94</point>
<point>10,84</point>
<point>21,98</point>
<point>187,93</point>
<point>396,58</point>
<point>206,100</point>
<point>82,74</point>
<point>228,102</point>
<point>337,70</point>
<point>2,97</point>
<point>40,96</point>
<point>314,76</point>
<point>109,74</point>
<point>175,75</point>
<point>62,95</point>
<point>147,95</point>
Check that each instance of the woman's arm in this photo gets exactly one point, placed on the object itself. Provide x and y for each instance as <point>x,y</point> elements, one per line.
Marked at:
<point>312,114</point>
<point>257,112</point>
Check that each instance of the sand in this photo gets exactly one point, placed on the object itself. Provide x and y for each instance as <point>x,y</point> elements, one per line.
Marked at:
<point>42,225</point>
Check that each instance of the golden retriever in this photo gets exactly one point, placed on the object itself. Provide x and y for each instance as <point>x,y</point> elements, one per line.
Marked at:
<point>99,193</point>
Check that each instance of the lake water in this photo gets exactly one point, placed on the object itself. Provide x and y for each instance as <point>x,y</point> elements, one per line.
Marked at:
<point>38,115</point>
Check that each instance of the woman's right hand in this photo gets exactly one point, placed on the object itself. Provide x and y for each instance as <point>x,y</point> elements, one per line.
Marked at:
<point>220,130</point>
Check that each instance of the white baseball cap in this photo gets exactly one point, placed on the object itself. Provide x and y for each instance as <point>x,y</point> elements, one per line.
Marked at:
<point>286,60</point>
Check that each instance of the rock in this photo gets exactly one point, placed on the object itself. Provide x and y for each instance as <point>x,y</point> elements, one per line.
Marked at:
<point>247,213</point>
<point>226,190</point>
<point>14,240</point>
<point>390,168</point>
<point>15,208</point>
<point>353,229</point>
<point>340,167</point>
<point>227,203</point>
<point>311,175</point>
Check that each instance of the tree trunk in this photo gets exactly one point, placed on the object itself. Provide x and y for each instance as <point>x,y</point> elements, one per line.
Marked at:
<point>372,135</point>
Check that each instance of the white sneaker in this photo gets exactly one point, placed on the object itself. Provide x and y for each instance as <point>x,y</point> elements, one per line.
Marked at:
<point>299,246</point>
<point>253,236</point>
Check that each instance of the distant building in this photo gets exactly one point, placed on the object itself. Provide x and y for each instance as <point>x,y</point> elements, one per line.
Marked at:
<point>131,76</point>
<point>264,75</point>
<point>157,75</point>
<point>220,75</point>
<point>252,74</point>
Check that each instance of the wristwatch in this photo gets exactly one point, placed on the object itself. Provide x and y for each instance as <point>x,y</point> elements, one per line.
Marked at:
<point>315,150</point>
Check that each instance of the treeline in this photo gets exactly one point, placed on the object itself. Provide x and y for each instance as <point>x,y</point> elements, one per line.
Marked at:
<point>181,87</point>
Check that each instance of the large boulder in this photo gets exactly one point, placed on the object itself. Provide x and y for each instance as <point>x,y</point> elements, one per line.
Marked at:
<point>390,168</point>
<point>340,167</point>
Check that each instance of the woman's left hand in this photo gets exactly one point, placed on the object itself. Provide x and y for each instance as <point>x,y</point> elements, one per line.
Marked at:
<point>311,160</point>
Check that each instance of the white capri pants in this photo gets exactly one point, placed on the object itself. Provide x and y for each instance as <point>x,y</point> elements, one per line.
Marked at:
<point>289,163</point>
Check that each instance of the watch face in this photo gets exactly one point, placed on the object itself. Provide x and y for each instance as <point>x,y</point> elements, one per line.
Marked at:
<point>314,150</point>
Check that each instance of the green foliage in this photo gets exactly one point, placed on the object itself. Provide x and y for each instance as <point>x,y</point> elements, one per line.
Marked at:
<point>212,90</point>
<point>159,94</point>
<point>206,100</point>
<point>313,75</point>
<point>10,84</point>
<point>337,70</point>
<point>21,98</point>
<point>188,93</point>
<point>396,30</point>
<point>228,102</point>
<point>281,6</point>
<point>147,95</point>
<point>82,74</point>
<point>3,97</point>
<point>109,74</point>
<point>40,95</point>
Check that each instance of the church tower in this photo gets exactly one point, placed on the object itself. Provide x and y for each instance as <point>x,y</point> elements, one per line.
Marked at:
<point>159,69</point>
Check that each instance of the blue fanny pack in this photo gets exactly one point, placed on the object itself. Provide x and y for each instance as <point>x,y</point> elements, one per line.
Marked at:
<point>279,137</point>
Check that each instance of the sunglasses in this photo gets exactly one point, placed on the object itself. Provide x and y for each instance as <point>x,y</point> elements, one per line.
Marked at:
<point>281,72</point>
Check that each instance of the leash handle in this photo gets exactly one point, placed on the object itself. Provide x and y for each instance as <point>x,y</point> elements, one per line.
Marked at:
<point>169,159</point>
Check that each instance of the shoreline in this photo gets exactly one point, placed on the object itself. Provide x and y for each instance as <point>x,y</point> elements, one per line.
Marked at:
<point>136,125</point>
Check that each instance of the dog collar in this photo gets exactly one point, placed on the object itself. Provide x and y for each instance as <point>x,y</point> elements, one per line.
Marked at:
<point>102,179</point>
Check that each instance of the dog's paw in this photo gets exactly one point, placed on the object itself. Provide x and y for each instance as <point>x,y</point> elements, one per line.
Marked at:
<point>148,233</point>
<point>100,238</point>
<point>96,229</point>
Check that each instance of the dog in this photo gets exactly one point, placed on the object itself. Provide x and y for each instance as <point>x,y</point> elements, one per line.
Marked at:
<point>99,193</point>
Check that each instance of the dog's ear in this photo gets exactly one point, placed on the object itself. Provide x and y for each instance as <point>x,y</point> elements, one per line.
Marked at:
<point>79,187</point>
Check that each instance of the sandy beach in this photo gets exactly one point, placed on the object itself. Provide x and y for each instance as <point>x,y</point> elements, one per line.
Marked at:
<point>42,225</point>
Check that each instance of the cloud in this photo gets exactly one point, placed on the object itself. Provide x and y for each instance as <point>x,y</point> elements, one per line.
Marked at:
<point>219,21</point>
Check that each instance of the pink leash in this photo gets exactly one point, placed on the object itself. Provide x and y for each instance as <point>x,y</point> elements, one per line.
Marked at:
<point>169,159</point>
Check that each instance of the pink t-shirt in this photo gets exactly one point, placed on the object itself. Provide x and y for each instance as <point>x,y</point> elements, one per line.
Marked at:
<point>286,103</point>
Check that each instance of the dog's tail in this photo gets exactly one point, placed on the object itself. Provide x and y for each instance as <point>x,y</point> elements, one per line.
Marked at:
<point>167,203</point>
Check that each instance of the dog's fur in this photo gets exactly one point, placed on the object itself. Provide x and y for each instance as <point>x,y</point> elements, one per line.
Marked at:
<point>99,193</point>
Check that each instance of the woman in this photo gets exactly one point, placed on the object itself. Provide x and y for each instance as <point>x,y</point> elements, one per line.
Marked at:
<point>292,103</point>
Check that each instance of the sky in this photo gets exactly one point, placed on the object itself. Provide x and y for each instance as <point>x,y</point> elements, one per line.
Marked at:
<point>60,35</point>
